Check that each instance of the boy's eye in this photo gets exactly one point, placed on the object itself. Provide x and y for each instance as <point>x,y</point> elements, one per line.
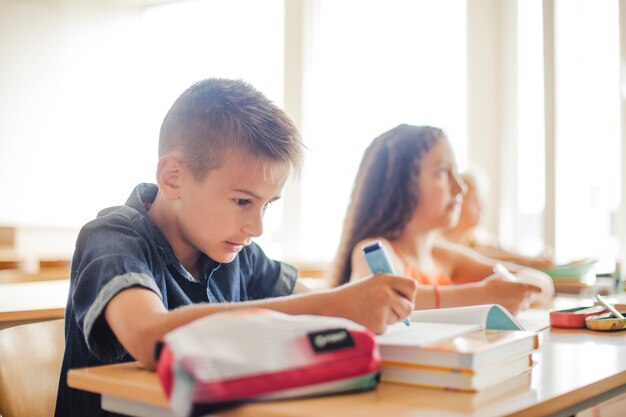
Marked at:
<point>242,202</point>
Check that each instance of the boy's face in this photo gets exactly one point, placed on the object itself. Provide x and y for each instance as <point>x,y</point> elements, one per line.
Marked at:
<point>221,214</point>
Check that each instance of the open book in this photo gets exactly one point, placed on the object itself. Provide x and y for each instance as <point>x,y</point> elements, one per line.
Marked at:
<point>487,316</point>
<point>466,348</point>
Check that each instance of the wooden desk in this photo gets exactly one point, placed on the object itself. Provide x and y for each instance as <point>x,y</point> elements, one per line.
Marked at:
<point>32,301</point>
<point>18,277</point>
<point>573,370</point>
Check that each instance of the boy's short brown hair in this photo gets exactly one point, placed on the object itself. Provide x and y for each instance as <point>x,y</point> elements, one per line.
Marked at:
<point>216,115</point>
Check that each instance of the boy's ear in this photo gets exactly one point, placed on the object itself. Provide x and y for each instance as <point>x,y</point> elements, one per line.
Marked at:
<point>169,176</point>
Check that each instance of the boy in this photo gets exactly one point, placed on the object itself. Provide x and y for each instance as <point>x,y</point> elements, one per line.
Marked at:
<point>182,250</point>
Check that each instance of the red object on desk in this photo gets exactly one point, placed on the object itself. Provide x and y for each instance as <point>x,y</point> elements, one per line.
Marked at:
<point>573,318</point>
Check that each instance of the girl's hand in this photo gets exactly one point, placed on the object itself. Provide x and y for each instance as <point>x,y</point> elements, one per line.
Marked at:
<point>514,296</point>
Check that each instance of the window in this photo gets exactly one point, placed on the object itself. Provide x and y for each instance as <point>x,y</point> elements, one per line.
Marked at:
<point>181,43</point>
<point>86,103</point>
<point>587,121</point>
<point>373,66</point>
<point>530,136</point>
<point>588,128</point>
<point>84,107</point>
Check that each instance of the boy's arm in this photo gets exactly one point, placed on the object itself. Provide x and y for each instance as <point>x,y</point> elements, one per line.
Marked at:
<point>138,318</point>
<point>300,288</point>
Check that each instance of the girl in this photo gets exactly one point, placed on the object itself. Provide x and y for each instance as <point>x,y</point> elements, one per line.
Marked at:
<point>406,191</point>
<point>467,231</point>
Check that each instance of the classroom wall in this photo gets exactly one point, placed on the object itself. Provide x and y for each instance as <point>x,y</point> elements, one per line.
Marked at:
<point>54,102</point>
<point>31,39</point>
<point>39,38</point>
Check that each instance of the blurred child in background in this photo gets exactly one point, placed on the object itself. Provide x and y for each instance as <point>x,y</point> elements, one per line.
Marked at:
<point>468,231</point>
<point>406,192</point>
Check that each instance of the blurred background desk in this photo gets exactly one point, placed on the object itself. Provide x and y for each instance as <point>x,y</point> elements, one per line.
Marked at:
<point>32,301</point>
<point>16,277</point>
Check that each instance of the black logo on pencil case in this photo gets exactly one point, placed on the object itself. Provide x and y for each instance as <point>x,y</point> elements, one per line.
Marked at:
<point>331,339</point>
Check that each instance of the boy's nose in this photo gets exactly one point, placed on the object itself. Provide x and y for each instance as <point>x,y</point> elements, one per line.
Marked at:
<point>254,226</point>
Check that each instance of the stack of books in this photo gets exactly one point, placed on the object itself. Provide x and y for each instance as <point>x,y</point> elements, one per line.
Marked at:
<point>462,349</point>
<point>575,277</point>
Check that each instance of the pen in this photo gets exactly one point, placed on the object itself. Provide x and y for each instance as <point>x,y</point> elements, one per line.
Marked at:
<point>502,272</point>
<point>378,261</point>
<point>609,306</point>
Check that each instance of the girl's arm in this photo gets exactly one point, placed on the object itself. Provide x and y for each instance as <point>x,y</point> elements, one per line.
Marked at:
<point>514,296</point>
<point>468,266</point>
<point>540,261</point>
<point>462,264</point>
<point>360,269</point>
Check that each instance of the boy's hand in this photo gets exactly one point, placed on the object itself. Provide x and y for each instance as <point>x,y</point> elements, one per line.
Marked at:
<point>377,301</point>
<point>514,296</point>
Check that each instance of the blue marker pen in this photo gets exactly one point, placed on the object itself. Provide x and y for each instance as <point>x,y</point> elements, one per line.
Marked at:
<point>378,261</point>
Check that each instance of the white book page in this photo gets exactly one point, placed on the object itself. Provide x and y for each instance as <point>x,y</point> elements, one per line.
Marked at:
<point>488,316</point>
<point>534,320</point>
<point>422,334</point>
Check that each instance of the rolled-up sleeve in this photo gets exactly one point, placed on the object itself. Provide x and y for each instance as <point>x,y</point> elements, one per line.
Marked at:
<point>98,335</point>
<point>112,260</point>
<point>266,277</point>
<point>286,280</point>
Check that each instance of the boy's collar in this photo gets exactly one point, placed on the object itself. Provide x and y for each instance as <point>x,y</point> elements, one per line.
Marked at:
<point>143,196</point>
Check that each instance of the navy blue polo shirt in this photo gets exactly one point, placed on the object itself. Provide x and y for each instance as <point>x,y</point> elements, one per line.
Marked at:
<point>122,248</point>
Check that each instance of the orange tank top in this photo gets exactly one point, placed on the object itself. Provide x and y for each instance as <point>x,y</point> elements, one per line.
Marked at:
<point>412,271</point>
